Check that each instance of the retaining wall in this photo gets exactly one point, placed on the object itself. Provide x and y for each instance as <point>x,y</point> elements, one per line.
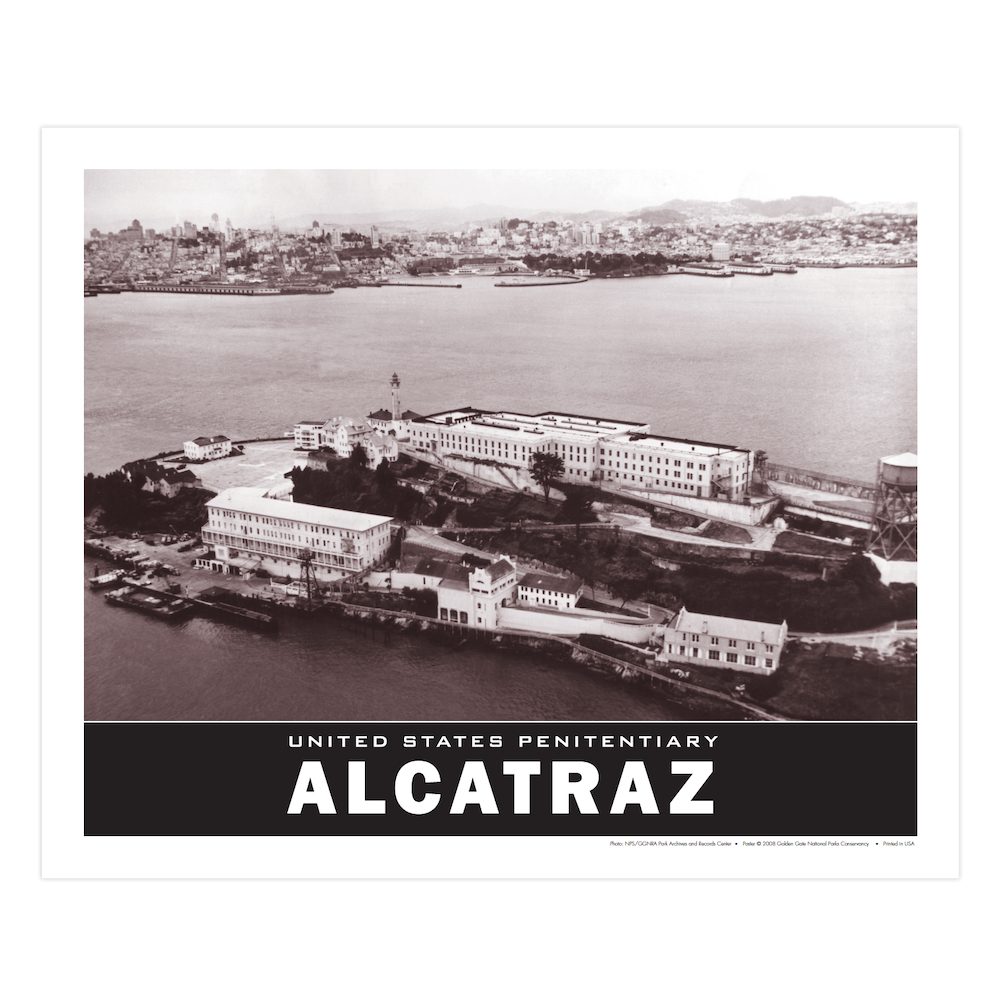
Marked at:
<point>561,624</point>
<point>723,510</point>
<point>819,481</point>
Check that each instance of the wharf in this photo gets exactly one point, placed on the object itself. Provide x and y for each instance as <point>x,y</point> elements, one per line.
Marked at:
<point>207,289</point>
<point>538,284</point>
<point>412,284</point>
<point>707,272</point>
<point>215,602</point>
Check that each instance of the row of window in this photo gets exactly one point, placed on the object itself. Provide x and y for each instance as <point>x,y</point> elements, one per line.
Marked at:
<point>296,525</point>
<point>274,549</point>
<point>714,640</point>
<point>666,482</point>
<point>642,468</point>
<point>749,659</point>
<point>649,459</point>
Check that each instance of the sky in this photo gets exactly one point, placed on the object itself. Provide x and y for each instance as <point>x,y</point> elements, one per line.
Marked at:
<point>635,168</point>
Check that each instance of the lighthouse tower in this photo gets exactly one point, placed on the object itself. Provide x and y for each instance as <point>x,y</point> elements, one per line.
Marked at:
<point>394,382</point>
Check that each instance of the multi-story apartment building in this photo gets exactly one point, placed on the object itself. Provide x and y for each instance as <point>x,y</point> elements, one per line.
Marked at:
<point>307,434</point>
<point>250,531</point>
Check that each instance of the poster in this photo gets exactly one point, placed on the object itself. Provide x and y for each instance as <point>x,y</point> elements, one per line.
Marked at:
<point>524,855</point>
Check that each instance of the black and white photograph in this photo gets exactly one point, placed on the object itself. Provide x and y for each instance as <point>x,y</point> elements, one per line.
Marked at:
<point>434,471</point>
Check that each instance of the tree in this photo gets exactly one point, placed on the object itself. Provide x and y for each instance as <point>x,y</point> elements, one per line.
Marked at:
<point>628,588</point>
<point>546,468</point>
<point>359,457</point>
<point>385,479</point>
<point>576,508</point>
<point>585,566</point>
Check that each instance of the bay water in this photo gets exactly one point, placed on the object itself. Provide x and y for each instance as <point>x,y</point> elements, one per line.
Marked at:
<point>818,368</point>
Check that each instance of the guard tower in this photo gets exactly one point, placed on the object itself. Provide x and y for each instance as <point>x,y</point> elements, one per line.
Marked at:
<point>394,382</point>
<point>893,533</point>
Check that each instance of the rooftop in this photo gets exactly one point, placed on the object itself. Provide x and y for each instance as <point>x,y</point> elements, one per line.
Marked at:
<point>729,628</point>
<point>557,584</point>
<point>249,500</point>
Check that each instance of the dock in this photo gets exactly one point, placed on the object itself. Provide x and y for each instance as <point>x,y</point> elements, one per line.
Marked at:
<point>411,284</point>
<point>211,602</point>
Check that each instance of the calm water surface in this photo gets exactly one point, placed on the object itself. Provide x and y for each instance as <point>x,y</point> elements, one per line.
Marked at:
<point>817,368</point>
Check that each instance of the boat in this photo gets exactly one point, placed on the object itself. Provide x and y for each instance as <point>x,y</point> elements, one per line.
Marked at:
<point>151,602</point>
<point>102,580</point>
<point>216,601</point>
<point>306,290</point>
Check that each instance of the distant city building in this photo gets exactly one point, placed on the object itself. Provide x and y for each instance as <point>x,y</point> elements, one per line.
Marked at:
<point>721,251</point>
<point>215,222</point>
<point>190,230</point>
<point>374,237</point>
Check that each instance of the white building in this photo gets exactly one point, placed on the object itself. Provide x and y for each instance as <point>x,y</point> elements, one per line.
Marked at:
<point>549,591</point>
<point>202,449</point>
<point>474,597</point>
<point>307,434</point>
<point>721,251</point>
<point>675,465</point>
<point>250,531</point>
<point>343,433</point>
<point>713,641</point>
<point>512,438</point>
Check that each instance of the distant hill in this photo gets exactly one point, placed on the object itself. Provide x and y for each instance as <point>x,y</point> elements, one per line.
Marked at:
<point>658,216</point>
<point>799,205</point>
<point>679,210</point>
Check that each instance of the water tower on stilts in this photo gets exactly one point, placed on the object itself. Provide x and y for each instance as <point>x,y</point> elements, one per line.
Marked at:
<point>892,538</point>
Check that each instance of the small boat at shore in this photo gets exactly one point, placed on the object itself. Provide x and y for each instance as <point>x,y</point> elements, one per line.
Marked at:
<point>151,602</point>
<point>102,580</point>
